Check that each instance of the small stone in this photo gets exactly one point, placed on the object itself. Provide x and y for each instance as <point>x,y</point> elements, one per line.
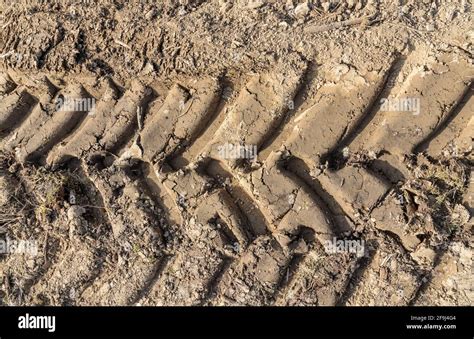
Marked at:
<point>4,197</point>
<point>345,152</point>
<point>13,168</point>
<point>424,256</point>
<point>148,69</point>
<point>315,172</point>
<point>430,27</point>
<point>225,6</point>
<point>372,155</point>
<point>254,4</point>
<point>75,212</point>
<point>326,6</point>
<point>351,3</point>
<point>151,14</point>
<point>302,10</point>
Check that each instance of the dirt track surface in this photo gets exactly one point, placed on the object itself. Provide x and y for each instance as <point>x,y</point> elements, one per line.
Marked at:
<point>214,150</point>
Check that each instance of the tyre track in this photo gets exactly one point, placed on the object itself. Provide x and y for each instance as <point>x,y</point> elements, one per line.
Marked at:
<point>247,230</point>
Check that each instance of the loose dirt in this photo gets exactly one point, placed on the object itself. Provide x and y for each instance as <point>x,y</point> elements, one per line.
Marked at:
<point>236,152</point>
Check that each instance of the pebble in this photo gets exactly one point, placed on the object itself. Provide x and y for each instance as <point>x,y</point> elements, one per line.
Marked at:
<point>302,10</point>
<point>75,212</point>
<point>430,27</point>
<point>326,6</point>
<point>254,4</point>
<point>4,196</point>
<point>225,6</point>
<point>150,14</point>
<point>351,3</point>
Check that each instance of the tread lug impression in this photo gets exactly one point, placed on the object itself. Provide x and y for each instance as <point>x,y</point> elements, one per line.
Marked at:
<point>310,182</point>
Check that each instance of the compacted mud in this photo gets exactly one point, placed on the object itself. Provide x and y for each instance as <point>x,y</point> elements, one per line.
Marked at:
<point>242,152</point>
